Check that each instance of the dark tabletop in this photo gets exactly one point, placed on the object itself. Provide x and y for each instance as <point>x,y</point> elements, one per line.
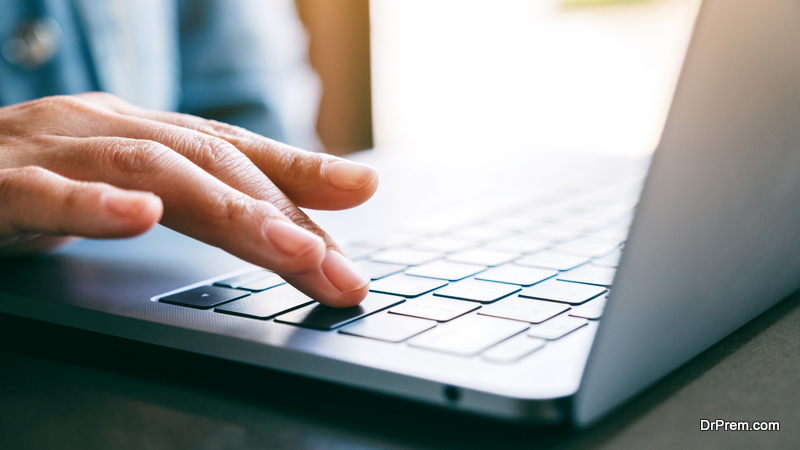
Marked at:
<point>65,388</point>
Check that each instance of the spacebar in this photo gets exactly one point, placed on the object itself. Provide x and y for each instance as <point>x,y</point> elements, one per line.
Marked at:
<point>469,335</point>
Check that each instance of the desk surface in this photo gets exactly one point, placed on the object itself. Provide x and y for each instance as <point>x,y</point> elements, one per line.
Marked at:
<point>64,388</point>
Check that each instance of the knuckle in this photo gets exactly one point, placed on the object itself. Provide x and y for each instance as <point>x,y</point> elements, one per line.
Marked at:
<point>104,100</point>
<point>29,172</point>
<point>14,182</point>
<point>299,166</point>
<point>214,154</point>
<point>136,156</point>
<point>71,195</point>
<point>231,209</point>
<point>293,165</point>
<point>224,131</point>
<point>60,102</point>
<point>9,186</point>
<point>30,117</point>
<point>61,105</point>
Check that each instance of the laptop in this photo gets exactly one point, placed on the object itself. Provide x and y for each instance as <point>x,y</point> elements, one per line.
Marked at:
<point>547,290</point>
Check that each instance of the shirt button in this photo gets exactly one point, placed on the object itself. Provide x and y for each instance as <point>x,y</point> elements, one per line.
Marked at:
<point>34,44</point>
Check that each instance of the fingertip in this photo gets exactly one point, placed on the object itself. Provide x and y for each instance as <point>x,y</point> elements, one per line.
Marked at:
<point>152,211</point>
<point>138,211</point>
<point>348,175</point>
<point>346,185</point>
<point>369,188</point>
<point>351,282</point>
<point>336,299</point>
<point>349,299</point>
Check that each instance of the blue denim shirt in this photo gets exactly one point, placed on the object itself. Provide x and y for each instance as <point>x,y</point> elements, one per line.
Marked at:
<point>239,61</point>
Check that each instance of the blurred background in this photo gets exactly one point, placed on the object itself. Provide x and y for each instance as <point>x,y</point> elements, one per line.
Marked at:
<point>475,77</point>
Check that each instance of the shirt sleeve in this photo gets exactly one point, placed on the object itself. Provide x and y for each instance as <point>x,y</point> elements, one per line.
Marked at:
<point>245,62</point>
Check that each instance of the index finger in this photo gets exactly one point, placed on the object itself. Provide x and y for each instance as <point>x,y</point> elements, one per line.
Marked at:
<point>201,206</point>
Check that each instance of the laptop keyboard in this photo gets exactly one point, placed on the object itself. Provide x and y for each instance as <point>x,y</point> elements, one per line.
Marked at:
<point>501,287</point>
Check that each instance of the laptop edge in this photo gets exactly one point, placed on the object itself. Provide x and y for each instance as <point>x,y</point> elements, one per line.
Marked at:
<point>715,239</point>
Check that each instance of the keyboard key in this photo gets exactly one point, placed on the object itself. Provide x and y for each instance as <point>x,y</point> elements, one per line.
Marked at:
<point>552,233</point>
<point>552,260</point>
<point>590,247</point>
<point>257,281</point>
<point>445,270</point>
<point>541,215</point>
<point>263,284</point>
<point>556,327</point>
<point>477,291</point>
<point>562,291</point>
<point>590,274</point>
<point>523,276</point>
<point>323,317</point>
<point>405,256</point>
<point>574,221</point>
<point>443,245</point>
<point>618,231</point>
<point>388,327</point>
<point>514,223</point>
<point>434,308</point>
<point>236,282</point>
<point>526,310</point>
<point>376,270</point>
<point>384,241</point>
<point>469,335</point>
<point>204,297</point>
<point>517,244</point>
<point>483,257</point>
<point>513,349</point>
<point>267,304</point>
<point>609,260</point>
<point>358,252</point>
<point>592,309</point>
<point>480,234</point>
<point>405,285</point>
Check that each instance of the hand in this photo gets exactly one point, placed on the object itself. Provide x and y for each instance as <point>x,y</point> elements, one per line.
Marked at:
<point>93,165</point>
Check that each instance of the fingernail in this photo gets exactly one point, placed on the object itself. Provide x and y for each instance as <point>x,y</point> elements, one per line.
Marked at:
<point>289,238</point>
<point>123,204</point>
<point>342,273</point>
<point>344,174</point>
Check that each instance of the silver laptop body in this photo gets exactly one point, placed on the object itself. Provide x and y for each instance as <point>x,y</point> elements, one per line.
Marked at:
<point>714,242</point>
